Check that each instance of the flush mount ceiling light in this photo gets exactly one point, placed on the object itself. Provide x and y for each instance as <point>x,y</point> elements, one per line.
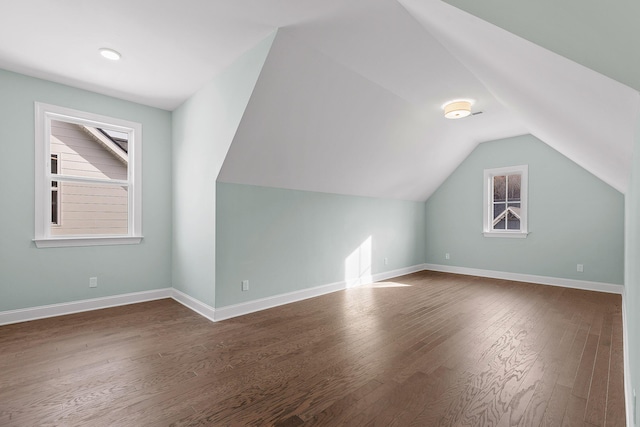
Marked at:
<point>457,109</point>
<point>110,53</point>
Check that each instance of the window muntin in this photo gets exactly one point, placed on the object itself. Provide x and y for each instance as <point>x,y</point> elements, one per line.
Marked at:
<point>505,202</point>
<point>93,174</point>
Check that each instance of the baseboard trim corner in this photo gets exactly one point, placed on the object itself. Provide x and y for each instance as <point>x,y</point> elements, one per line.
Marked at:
<point>52,310</point>
<point>530,278</point>
<point>196,305</point>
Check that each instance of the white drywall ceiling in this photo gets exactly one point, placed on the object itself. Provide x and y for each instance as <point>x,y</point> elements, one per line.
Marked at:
<point>314,124</point>
<point>384,66</point>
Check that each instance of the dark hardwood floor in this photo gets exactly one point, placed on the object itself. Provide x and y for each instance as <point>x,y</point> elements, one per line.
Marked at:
<point>427,349</point>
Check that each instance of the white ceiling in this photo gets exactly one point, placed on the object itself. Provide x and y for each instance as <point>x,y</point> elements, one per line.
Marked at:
<point>314,124</point>
<point>170,48</point>
<point>372,74</point>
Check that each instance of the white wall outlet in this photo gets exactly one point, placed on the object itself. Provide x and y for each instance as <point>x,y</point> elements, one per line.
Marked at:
<point>245,285</point>
<point>93,282</point>
<point>447,256</point>
<point>386,261</point>
<point>580,268</point>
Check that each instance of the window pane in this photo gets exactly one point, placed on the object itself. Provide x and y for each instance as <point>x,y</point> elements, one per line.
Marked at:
<point>54,204</point>
<point>513,222</point>
<point>54,168</point>
<point>91,209</point>
<point>514,187</point>
<point>499,188</point>
<point>86,151</point>
<point>499,216</point>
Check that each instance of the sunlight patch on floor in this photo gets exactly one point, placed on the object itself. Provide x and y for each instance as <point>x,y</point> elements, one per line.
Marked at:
<point>388,285</point>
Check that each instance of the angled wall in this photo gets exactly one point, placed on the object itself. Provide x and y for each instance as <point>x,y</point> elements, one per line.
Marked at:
<point>574,218</point>
<point>203,129</point>
<point>31,277</point>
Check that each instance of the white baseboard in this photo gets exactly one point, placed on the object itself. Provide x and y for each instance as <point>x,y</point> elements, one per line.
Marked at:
<point>518,277</point>
<point>378,277</point>
<point>194,304</point>
<point>44,311</point>
<point>241,309</point>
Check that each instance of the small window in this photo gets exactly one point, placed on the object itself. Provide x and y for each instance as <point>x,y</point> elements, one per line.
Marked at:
<point>90,166</point>
<point>505,202</point>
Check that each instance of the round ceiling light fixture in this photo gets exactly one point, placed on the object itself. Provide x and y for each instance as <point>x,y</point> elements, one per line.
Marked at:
<point>111,54</point>
<point>457,109</point>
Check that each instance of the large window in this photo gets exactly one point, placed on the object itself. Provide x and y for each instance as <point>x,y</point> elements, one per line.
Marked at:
<point>88,189</point>
<point>505,202</point>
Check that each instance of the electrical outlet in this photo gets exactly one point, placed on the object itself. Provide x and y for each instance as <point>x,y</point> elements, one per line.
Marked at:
<point>386,261</point>
<point>447,256</point>
<point>245,285</point>
<point>580,268</point>
<point>93,282</point>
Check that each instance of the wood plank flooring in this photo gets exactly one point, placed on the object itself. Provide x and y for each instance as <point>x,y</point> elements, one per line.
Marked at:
<point>426,349</point>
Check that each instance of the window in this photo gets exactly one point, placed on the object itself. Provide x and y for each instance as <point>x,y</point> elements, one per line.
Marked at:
<point>88,186</point>
<point>505,202</point>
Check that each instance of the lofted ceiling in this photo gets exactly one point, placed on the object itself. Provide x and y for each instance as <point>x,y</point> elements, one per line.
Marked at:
<point>349,98</point>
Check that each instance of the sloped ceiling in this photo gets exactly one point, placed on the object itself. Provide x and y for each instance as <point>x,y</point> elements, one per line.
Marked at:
<point>400,146</point>
<point>315,124</point>
<point>586,116</point>
<point>349,100</point>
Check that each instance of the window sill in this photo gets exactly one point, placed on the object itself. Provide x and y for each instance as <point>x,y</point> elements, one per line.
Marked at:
<point>507,234</point>
<point>63,242</point>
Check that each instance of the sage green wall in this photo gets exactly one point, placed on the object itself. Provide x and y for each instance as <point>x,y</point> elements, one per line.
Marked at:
<point>287,240</point>
<point>32,277</point>
<point>574,218</point>
<point>601,35</point>
<point>203,129</point>
<point>632,283</point>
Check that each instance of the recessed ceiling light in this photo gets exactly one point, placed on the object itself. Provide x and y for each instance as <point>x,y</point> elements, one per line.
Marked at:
<point>110,53</point>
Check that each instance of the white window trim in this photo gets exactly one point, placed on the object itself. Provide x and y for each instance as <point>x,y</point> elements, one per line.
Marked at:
<point>523,170</point>
<point>44,113</point>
